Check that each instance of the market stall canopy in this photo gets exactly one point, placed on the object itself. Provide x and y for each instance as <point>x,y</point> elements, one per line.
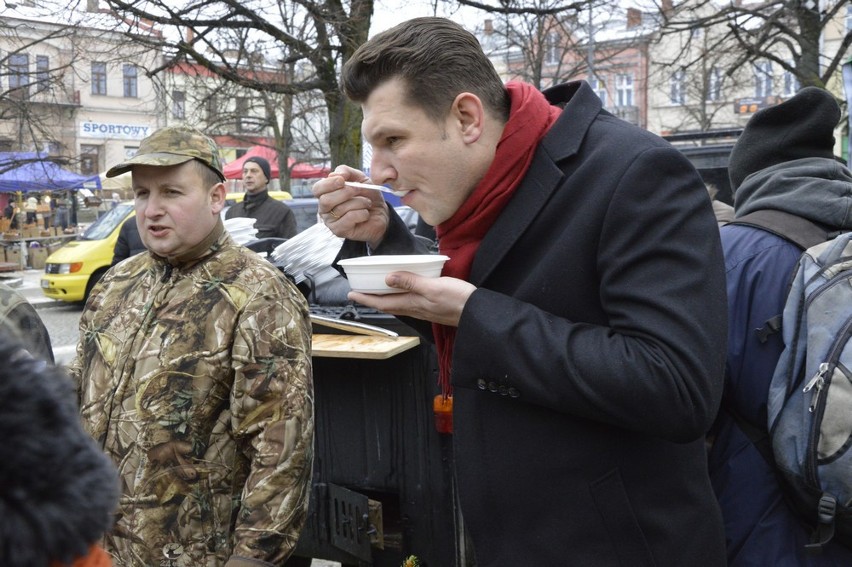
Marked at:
<point>33,171</point>
<point>122,184</point>
<point>298,170</point>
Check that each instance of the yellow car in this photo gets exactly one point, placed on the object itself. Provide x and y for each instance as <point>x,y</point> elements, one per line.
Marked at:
<point>72,271</point>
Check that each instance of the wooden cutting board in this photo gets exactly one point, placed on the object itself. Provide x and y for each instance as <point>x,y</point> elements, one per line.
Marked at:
<point>361,346</point>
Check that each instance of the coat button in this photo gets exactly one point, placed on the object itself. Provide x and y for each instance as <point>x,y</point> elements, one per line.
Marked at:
<point>504,390</point>
<point>481,384</point>
<point>492,387</point>
<point>514,393</point>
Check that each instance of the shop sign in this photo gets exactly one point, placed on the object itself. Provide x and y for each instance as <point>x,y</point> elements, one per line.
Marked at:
<point>112,130</point>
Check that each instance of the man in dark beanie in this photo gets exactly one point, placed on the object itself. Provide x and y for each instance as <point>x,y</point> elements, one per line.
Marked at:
<point>273,218</point>
<point>789,193</point>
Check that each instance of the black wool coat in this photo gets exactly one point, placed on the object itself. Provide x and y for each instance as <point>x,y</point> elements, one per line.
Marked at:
<point>588,364</point>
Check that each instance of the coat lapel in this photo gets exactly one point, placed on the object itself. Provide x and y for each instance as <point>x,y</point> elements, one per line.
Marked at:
<point>543,177</point>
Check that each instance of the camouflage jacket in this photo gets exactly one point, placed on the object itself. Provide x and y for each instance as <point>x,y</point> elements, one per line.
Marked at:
<point>197,381</point>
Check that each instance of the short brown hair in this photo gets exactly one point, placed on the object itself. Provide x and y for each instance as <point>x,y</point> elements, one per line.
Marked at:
<point>436,58</point>
<point>209,177</point>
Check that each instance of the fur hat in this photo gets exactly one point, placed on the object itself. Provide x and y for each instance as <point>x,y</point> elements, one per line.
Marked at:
<point>58,490</point>
<point>801,127</point>
<point>264,165</point>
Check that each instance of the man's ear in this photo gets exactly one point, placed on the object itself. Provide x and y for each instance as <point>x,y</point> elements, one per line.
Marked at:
<point>469,113</point>
<point>217,197</point>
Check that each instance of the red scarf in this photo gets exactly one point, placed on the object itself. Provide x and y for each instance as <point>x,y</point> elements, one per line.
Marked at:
<point>529,119</point>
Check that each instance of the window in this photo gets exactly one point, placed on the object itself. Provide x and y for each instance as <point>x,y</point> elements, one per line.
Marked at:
<point>714,85</point>
<point>624,90</point>
<point>791,82</point>
<point>99,78</point>
<point>90,157</point>
<point>178,104</point>
<point>19,69</point>
<point>763,79</point>
<point>551,49</point>
<point>600,89</point>
<point>42,72</point>
<point>678,87</point>
<point>130,81</point>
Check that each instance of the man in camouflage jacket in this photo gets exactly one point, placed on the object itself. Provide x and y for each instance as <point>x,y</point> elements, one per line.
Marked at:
<point>194,366</point>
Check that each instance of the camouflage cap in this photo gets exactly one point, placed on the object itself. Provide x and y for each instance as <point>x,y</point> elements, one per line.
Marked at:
<point>173,145</point>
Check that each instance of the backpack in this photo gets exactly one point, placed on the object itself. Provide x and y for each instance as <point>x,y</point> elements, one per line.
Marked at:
<point>809,403</point>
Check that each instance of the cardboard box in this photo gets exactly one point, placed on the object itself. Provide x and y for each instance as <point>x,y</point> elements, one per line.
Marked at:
<point>13,254</point>
<point>36,257</point>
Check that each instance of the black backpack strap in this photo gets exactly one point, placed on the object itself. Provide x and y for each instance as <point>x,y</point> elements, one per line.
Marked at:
<point>824,532</point>
<point>798,230</point>
<point>758,436</point>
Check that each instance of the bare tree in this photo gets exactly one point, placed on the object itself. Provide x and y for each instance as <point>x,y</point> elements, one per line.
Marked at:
<point>43,53</point>
<point>224,35</point>
<point>548,41</point>
<point>36,95</point>
<point>314,38</point>
<point>785,32</point>
<point>694,71</point>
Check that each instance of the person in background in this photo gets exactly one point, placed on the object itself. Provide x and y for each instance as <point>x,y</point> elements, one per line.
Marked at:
<point>19,319</point>
<point>783,161</point>
<point>580,320</point>
<point>129,242</point>
<point>11,213</point>
<point>58,491</point>
<point>30,208</point>
<point>63,203</point>
<point>47,211</point>
<point>274,218</point>
<point>195,376</point>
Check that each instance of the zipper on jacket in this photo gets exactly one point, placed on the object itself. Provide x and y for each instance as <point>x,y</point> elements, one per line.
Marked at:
<point>167,275</point>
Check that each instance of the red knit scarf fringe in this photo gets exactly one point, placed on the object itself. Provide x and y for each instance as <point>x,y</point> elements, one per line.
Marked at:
<point>529,119</point>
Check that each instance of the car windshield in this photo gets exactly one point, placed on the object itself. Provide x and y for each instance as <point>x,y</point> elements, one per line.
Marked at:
<point>102,227</point>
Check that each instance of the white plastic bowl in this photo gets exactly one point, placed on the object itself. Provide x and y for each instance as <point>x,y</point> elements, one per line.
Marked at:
<point>366,274</point>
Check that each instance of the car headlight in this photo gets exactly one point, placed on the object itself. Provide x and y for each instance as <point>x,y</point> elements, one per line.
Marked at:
<point>71,268</point>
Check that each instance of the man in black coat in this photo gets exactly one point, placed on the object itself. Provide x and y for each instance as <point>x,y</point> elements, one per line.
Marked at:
<point>274,218</point>
<point>580,321</point>
<point>129,242</point>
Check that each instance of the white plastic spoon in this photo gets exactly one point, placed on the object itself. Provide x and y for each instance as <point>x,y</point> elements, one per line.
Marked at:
<point>374,187</point>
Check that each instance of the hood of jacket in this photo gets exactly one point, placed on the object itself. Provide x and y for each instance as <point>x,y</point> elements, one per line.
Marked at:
<point>817,189</point>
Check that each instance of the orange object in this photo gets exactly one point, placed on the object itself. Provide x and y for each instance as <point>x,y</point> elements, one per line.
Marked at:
<point>443,408</point>
<point>97,557</point>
